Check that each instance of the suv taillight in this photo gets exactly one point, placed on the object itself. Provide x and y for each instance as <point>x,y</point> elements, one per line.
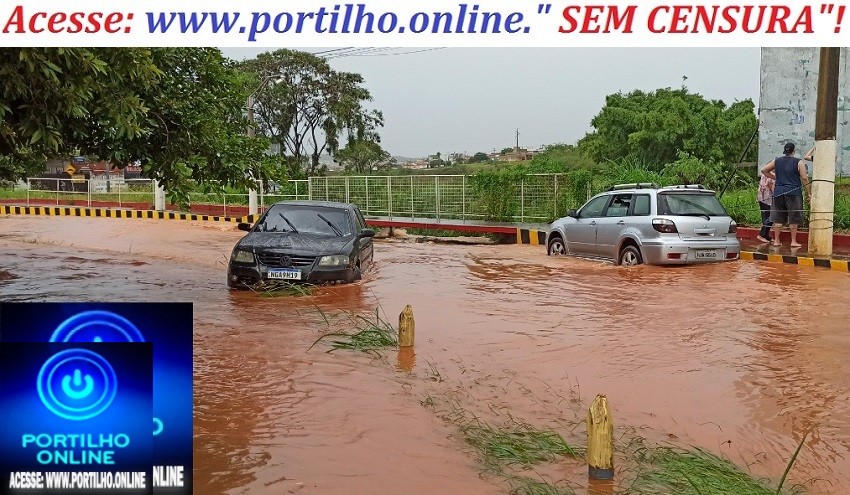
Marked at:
<point>733,227</point>
<point>664,226</point>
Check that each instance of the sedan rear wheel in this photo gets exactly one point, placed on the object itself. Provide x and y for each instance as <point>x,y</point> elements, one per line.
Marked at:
<point>556,246</point>
<point>630,256</point>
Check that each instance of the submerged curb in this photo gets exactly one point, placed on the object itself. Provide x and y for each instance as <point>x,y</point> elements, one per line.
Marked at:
<point>110,213</point>
<point>832,264</point>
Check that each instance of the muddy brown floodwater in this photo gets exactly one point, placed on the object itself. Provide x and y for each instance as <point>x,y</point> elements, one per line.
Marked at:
<point>740,358</point>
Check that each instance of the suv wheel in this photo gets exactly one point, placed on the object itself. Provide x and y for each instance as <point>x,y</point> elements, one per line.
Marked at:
<point>630,256</point>
<point>556,246</point>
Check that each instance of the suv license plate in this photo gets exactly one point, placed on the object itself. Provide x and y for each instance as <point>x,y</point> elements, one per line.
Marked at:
<point>705,254</point>
<point>284,274</point>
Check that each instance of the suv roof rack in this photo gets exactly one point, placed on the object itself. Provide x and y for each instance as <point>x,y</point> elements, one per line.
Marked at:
<point>687,186</point>
<point>637,185</point>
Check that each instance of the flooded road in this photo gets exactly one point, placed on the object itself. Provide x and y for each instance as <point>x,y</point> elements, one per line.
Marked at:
<point>735,358</point>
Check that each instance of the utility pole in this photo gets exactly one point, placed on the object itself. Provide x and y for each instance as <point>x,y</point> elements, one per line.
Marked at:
<point>822,202</point>
<point>252,192</point>
<point>249,104</point>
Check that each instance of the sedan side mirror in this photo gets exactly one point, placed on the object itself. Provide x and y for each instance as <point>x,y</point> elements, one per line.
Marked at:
<point>572,213</point>
<point>244,226</point>
<point>367,233</point>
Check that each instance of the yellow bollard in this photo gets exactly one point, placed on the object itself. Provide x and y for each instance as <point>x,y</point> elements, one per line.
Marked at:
<point>600,440</point>
<point>406,327</point>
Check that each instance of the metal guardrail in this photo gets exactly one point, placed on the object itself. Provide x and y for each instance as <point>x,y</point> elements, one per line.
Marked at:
<point>534,198</point>
<point>531,198</point>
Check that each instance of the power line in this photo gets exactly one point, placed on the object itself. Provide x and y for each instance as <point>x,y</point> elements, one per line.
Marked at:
<point>368,52</point>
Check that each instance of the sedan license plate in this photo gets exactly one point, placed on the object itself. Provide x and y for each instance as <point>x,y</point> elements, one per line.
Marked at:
<point>705,254</point>
<point>285,274</point>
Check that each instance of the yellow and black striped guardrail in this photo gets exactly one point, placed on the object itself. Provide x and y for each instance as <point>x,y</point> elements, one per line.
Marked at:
<point>110,213</point>
<point>530,236</point>
<point>833,264</point>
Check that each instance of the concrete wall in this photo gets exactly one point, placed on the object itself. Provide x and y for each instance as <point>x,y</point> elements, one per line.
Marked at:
<point>788,99</point>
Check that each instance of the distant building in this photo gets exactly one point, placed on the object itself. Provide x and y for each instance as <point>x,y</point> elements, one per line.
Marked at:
<point>459,157</point>
<point>415,164</point>
<point>515,155</point>
<point>89,169</point>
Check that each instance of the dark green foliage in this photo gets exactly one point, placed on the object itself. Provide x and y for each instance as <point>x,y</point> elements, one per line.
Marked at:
<point>362,156</point>
<point>655,127</point>
<point>179,111</point>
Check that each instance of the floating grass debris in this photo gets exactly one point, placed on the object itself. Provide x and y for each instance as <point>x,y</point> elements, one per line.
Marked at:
<point>670,470</point>
<point>282,289</point>
<point>370,337</point>
<point>514,445</point>
<point>520,444</point>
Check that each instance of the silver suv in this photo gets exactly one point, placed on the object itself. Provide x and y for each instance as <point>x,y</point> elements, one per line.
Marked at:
<point>646,223</point>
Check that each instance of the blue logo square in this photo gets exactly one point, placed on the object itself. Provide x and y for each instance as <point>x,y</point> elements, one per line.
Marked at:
<point>167,326</point>
<point>77,417</point>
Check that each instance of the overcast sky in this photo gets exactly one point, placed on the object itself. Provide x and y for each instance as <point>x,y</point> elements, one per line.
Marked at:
<point>474,99</point>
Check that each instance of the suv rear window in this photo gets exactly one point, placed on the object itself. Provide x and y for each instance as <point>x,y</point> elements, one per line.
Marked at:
<point>689,204</point>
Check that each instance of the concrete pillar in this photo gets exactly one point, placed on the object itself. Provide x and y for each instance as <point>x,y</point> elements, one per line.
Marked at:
<point>159,197</point>
<point>823,199</point>
<point>252,202</point>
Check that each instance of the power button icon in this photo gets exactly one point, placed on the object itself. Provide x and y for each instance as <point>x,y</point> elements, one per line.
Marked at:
<point>77,384</point>
<point>74,392</point>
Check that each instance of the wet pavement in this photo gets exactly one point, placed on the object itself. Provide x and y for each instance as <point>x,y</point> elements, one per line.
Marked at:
<point>734,357</point>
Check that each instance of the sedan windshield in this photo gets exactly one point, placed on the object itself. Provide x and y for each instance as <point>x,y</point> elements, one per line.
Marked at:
<point>306,220</point>
<point>689,204</point>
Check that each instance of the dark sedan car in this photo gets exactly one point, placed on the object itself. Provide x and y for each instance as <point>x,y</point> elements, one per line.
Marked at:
<point>302,241</point>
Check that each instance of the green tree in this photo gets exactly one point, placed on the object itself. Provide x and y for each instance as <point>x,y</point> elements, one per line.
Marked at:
<point>557,158</point>
<point>308,107</point>
<point>362,156</point>
<point>56,101</point>
<point>688,169</point>
<point>479,157</point>
<point>195,124</point>
<point>653,127</point>
<point>179,111</point>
